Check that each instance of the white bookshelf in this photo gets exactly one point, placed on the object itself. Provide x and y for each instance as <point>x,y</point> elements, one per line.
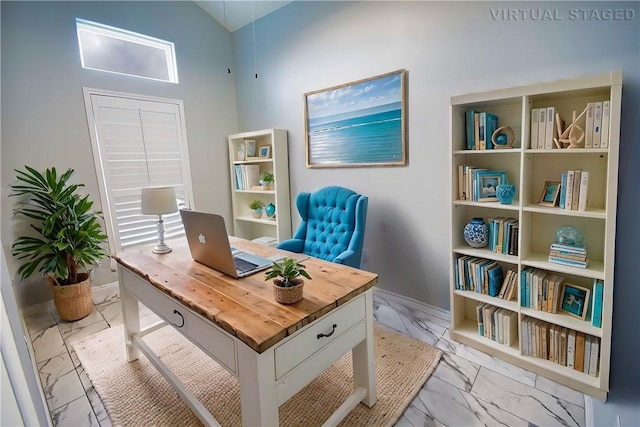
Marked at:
<point>528,169</point>
<point>244,224</point>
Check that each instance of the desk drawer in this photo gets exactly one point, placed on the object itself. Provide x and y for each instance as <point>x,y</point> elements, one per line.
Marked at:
<point>305,343</point>
<point>198,330</point>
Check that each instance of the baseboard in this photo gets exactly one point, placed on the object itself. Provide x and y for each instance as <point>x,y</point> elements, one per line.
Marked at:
<point>413,303</point>
<point>588,411</point>
<point>99,294</point>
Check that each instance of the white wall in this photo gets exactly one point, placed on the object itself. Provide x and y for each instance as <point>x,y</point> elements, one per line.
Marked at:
<point>43,117</point>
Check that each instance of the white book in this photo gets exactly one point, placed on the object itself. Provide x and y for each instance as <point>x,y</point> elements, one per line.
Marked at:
<point>252,175</point>
<point>593,360</point>
<point>571,348</point>
<point>542,128</point>
<point>587,354</point>
<point>576,189</point>
<point>525,336</point>
<point>584,189</point>
<point>588,127</point>
<point>606,118</point>
<point>569,191</point>
<point>597,124</point>
<point>533,141</point>
<point>550,130</point>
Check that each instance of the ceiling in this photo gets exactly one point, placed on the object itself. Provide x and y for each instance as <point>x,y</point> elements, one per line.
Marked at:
<point>235,14</point>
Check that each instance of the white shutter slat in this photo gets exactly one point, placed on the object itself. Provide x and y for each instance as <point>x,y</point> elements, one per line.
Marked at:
<point>139,148</point>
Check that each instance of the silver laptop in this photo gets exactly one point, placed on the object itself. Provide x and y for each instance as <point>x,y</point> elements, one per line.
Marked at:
<point>209,245</point>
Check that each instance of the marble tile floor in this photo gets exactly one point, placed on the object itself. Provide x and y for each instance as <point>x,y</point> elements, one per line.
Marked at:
<point>468,388</point>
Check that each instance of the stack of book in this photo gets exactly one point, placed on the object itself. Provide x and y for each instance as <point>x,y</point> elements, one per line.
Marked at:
<point>571,255</point>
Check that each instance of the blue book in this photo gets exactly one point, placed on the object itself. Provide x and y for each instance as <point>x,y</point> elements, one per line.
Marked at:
<point>495,279</point>
<point>596,318</point>
<point>563,190</point>
<point>490,126</point>
<point>471,134</point>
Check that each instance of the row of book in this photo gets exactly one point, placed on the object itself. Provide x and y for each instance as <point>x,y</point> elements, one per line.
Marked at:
<point>479,184</point>
<point>564,346</point>
<point>570,255</point>
<point>546,120</point>
<point>503,235</point>
<point>480,126</point>
<point>479,275</point>
<point>574,188</point>
<point>497,324</point>
<point>540,289</point>
<point>247,176</point>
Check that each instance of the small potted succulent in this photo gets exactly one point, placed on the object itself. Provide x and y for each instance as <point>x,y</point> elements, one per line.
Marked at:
<point>287,283</point>
<point>256,206</point>
<point>266,179</point>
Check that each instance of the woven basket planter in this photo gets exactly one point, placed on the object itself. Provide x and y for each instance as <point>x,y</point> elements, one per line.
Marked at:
<point>73,302</point>
<point>288,295</point>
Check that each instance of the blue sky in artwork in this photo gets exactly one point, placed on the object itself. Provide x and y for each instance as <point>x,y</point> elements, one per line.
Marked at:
<point>370,93</point>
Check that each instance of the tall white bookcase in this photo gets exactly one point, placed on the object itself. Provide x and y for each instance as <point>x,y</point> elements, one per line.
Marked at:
<point>528,168</point>
<point>277,163</point>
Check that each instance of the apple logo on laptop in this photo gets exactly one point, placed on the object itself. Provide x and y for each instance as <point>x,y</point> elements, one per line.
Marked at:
<point>201,238</point>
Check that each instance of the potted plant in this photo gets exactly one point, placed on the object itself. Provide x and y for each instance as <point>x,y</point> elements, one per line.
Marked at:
<point>266,179</point>
<point>257,206</point>
<point>67,240</point>
<point>287,283</point>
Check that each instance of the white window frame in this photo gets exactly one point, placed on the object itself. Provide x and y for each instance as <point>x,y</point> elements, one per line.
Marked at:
<point>131,37</point>
<point>113,234</point>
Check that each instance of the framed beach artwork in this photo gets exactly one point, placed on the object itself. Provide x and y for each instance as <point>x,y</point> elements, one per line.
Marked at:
<point>360,123</point>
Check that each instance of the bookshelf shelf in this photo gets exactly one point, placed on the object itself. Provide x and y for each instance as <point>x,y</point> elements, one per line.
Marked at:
<point>277,163</point>
<point>529,168</point>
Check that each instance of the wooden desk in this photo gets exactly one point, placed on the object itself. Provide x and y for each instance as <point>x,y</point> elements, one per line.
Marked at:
<point>274,350</point>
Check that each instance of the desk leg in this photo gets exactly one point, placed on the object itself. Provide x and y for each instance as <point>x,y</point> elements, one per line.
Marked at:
<point>131,321</point>
<point>257,387</point>
<point>363,358</point>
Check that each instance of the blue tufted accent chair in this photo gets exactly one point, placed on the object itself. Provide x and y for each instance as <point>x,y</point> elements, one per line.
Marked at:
<point>332,226</point>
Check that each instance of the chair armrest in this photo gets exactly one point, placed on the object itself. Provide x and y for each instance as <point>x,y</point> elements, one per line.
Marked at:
<point>291,245</point>
<point>347,258</point>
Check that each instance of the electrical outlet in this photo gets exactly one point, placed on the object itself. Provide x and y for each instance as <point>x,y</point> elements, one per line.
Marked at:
<point>365,255</point>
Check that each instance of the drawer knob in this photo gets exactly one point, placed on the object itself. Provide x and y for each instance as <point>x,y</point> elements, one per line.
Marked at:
<point>181,318</point>
<point>329,334</point>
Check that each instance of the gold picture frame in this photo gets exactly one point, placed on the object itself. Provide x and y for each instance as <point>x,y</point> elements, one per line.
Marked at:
<point>361,123</point>
<point>550,193</point>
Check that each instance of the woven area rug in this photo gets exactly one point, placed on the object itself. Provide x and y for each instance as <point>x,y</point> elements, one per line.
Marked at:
<point>135,394</point>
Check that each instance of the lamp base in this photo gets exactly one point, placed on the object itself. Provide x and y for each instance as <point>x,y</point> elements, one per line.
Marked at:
<point>161,248</point>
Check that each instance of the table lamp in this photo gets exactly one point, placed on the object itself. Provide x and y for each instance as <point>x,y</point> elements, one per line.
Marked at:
<point>159,201</point>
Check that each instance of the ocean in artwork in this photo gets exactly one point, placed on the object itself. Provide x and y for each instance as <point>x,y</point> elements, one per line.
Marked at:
<point>370,135</point>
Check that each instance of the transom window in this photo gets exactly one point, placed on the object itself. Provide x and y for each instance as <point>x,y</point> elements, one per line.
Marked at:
<point>120,51</point>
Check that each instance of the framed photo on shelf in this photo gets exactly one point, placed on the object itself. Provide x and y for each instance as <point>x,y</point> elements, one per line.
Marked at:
<point>550,192</point>
<point>250,147</point>
<point>575,300</point>
<point>486,184</point>
<point>356,124</point>
<point>264,152</point>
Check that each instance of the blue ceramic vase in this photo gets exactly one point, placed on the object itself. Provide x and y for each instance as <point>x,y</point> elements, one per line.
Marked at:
<point>505,193</point>
<point>270,210</point>
<point>476,233</point>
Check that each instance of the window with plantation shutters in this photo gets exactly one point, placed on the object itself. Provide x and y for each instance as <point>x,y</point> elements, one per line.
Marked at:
<point>137,143</point>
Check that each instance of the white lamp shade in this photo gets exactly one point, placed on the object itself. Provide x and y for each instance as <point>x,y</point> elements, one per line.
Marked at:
<point>159,200</point>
